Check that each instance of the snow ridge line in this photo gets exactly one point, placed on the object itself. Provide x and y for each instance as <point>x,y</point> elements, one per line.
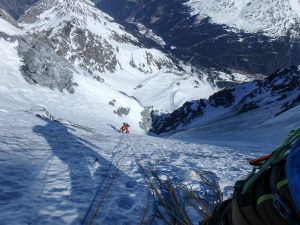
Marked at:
<point>108,185</point>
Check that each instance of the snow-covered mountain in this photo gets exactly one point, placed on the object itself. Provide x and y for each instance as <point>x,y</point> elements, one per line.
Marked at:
<point>255,37</point>
<point>59,147</point>
<point>91,40</point>
<point>270,107</point>
<point>273,18</point>
<point>34,76</point>
<point>71,76</point>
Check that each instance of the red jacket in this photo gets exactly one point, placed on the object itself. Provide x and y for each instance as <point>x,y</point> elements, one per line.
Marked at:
<point>124,128</point>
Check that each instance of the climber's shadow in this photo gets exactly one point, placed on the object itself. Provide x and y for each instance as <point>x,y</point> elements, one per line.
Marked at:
<point>78,155</point>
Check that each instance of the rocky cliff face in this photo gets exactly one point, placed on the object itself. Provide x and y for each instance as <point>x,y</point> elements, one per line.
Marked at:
<point>41,65</point>
<point>90,39</point>
<point>193,31</point>
<point>278,93</point>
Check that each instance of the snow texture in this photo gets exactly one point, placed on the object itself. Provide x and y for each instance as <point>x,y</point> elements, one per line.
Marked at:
<point>59,149</point>
<point>52,169</point>
<point>8,28</point>
<point>273,18</point>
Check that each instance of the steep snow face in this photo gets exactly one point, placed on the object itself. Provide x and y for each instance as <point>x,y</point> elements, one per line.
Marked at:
<point>91,39</point>
<point>58,168</point>
<point>271,17</point>
<point>19,89</point>
<point>269,107</point>
<point>52,139</point>
<point>8,28</point>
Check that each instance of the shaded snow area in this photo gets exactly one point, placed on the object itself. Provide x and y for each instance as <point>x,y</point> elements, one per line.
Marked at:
<point>60,150</point>
<point>51,171</point>
<point>271,17</point>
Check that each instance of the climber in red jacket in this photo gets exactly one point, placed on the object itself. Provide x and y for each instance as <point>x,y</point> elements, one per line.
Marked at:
<point>124,128</point>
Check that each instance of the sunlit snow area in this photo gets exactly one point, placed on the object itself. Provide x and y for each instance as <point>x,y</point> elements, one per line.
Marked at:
<point>62,159</point>
<point>58,149</point>
<point>271,17</point>
<point>52,170</point>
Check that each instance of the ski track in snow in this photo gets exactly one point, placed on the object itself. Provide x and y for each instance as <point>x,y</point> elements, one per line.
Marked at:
<point>50,171</point>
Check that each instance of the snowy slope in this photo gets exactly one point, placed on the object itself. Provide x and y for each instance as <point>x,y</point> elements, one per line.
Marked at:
<point>7,28</point>
<point>91,40</point>
<point>269,108</point>
<point>164,91</point>
<point>88,96</point>
<point>58,168</point>
<point>59,149</point>
<point>274,18</point>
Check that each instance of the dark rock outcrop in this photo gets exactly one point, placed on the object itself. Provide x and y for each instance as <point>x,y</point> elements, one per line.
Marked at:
<point>180,117</point>
<point>43,66</point>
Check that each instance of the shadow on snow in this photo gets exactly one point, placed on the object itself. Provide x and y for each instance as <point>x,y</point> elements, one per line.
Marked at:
<point>80,158</point>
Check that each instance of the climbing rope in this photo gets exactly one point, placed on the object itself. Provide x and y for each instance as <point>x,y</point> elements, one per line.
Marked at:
<point>110,184</point>
<point>173,201</point>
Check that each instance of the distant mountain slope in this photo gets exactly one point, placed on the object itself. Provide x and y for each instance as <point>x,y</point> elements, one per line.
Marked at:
<point>274,18</point>
<point>254,37</point>
<point>265,37</point>
<point>91,40</point>
<point>273,103</point>
<point>16,7</point>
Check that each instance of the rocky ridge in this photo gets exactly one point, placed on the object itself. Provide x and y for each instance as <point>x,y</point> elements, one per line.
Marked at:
<point>278,93</point>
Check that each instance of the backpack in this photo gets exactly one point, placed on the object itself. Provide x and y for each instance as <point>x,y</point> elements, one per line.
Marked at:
<point>264,198</point>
